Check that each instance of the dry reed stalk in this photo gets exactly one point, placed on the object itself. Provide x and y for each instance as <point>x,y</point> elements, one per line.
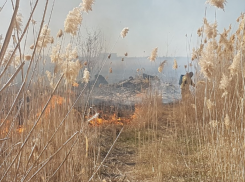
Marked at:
<point>86,138</point>
<point>18,44</point>
<point>29,134</point>
<point>9,32</point>
<point>49,141</point>
<point>28,70</point>
<point>49,159</point>
<point>63,160</point>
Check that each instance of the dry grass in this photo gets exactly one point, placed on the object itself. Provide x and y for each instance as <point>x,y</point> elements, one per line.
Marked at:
<point>204,140</point>
<point>43,137</point>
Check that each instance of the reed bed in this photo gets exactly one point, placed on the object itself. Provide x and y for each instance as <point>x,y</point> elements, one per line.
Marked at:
<point>44,137</point>
<point>204,137</point>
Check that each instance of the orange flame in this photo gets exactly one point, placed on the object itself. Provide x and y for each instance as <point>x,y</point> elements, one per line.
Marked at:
<point>75,84</point>
<point>56,100</point>
<point>112,119</point>
<point>20,129</point>
<point>5,129</point>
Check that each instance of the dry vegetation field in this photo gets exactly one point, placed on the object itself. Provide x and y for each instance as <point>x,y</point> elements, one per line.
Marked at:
<point>49,130</point>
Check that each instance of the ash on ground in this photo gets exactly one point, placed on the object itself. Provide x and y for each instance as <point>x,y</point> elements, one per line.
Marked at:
<point>132,90</point>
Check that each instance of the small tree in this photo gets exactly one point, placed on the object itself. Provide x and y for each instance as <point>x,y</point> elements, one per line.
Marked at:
<point>90,50</point>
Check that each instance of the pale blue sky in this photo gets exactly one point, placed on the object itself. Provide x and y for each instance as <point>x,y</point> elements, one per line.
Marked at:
<point>152,23</point>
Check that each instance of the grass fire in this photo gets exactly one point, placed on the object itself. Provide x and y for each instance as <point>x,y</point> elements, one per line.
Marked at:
<point>116,91</point>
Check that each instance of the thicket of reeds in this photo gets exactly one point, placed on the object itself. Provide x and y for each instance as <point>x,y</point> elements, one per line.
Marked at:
<point>204,138</point>
<point>44,138</point>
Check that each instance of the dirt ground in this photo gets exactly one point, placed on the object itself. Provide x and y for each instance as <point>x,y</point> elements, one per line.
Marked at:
<point>121,163</point>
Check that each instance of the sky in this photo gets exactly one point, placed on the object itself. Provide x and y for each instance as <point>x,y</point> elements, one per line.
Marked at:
<point>170,25</point>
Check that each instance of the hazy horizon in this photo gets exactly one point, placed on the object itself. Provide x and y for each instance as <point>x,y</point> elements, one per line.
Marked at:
<point>170,25</point>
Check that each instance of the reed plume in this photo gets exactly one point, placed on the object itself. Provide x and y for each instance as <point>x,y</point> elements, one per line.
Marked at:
<point>71,70</point>
<point>72,21</point>
<point>207,60</point>
<point>87,5</point>
<point>60,33</point>
<point>45,37</point>
<point>153,54</point>
<point>55,54</point>
<point>217,3</point>
<point>86,75</point>
<point>235,66</point>
<point>210,29</point>
<point>161,66</point>
<point>175,65</point>
<point>224,83</point>
<point>124,32</point>
<point>27,57</point>
<point>18,22</point>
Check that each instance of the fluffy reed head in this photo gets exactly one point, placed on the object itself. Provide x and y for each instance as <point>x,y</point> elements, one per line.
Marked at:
<point>72,21</point>
<point>60,33</point>
<point>70,53</point>
<point>45,37</point>
<point>227,121</point>
<point>207,60</point>
<point>153,54</point>
<point>32,46</point>
<point>213,123</point>
<point>209,104</point>
<point>235,66</point>
<point>71,70</point>
<point>124,32</point>
<point>18,22</point>
<point>7,57</point>
<point>86,75</point>
<point>210,29</point>
<point>161,66</point>
<point>224,83</point>
<point>175,65</point>
<point>55,54</point>
<point>27,57</point>
<point>87,5</point>
<point>217,3</point>
<point>200,31</point>
<point>50,77</point>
